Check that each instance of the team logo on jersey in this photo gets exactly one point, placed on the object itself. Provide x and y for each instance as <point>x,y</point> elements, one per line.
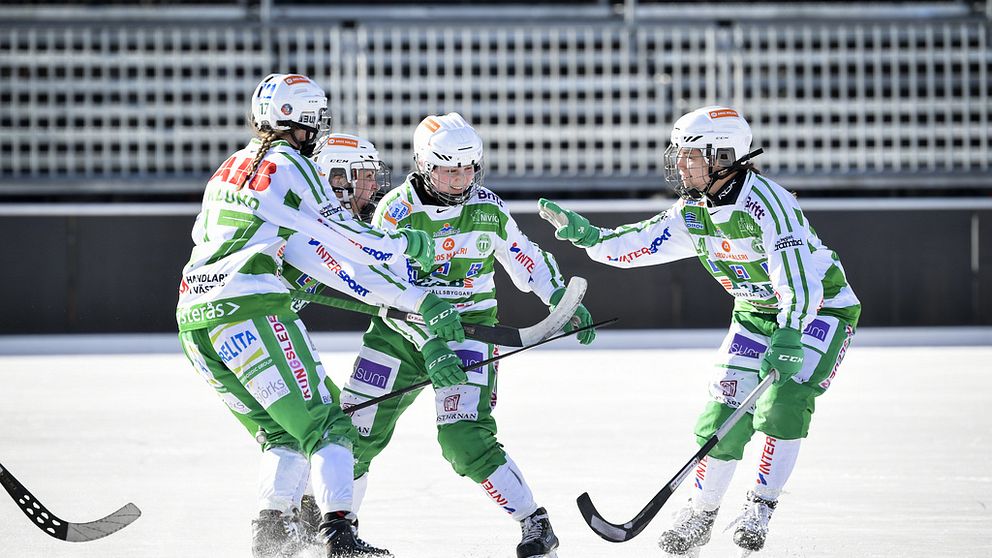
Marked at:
<point>758,246</point>
<point>483,244</point>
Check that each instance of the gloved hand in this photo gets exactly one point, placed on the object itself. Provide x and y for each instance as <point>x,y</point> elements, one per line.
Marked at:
<point>569,225</point>
<point>441,318</point>
<point>580,318</point>
<point>444,368</point>
<point>785,354</point>
<point>419,248</point>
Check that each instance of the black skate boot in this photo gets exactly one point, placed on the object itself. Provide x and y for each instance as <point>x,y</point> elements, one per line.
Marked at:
<point>340,539</point>
<point>752,525</point>
<point>275,535</point>
<point>539,539</point>
<point>692,529</point>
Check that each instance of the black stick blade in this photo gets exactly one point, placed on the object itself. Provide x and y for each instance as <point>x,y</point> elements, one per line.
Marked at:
<point>56,527</point>
<point>608,531</point>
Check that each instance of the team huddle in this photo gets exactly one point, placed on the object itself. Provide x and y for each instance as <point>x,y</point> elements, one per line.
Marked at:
<point>300,209</point>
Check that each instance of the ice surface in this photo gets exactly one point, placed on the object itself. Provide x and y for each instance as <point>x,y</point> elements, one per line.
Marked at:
<point>898,462</point>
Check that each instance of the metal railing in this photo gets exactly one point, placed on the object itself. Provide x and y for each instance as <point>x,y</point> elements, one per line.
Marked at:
<point>131,107</point>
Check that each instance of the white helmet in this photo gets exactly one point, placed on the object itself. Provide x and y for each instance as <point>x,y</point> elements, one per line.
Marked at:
<point>722,136</point>
<point>284,102</point>
<point>344,156</point>
<point>447,141</point>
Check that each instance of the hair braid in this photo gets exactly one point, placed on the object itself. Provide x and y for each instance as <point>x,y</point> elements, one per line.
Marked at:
<point>267,139</point>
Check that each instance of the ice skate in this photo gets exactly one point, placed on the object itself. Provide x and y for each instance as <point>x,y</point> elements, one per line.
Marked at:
<point>752,525</point>
<point>341,541</point>
<point>275,535</point>
<point>310,520</point>
<point>692,529</point>
<point>539,540</point>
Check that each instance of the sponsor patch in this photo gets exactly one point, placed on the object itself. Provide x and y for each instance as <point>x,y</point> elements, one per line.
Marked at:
<point>818,329</point>
<point>373,373</point>
<point>746,347</point>
<point>457,403</point>
<point>787,242</point>
<point>267,387</point>
<point>723,113</point>
<point>397,212</point>
<point>233,403</point>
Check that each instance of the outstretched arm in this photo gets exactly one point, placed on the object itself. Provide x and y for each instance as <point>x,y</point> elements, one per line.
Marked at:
<point>661,239</point>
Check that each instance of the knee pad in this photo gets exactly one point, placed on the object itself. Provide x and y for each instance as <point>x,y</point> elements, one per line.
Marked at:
<point>731,447</point>
<point>471,448</point>
<point>785,411</point>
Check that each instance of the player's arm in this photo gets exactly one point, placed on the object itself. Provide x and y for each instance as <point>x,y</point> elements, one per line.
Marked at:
<point>309,206</point>
<point>661,239</point>
<point>530,267</point>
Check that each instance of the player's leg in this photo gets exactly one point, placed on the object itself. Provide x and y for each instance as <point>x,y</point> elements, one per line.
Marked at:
<point>381,366</point>
<point>783,415</point>
<point>467,434</point>
<point>734,377</point>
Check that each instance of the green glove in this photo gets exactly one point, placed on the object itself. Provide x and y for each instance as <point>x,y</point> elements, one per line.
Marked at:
<point>441,318</point>
<point>785,354</point>
<point>569,225</point>
<point>580,318</point>
<point>444,368</point>
<point>419,248</point>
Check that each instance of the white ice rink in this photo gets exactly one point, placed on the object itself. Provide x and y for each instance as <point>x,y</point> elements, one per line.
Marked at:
<point>898,463</point>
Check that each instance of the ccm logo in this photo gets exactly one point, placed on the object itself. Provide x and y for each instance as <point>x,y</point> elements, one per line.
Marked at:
<point>788,358</point>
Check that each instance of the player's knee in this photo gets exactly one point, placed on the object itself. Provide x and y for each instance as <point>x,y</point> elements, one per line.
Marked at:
<point>731,446</point>
<point>470,448</point>
<point>786,415</point>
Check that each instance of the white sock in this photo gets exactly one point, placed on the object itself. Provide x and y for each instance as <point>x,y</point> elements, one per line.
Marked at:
<point>778,459</point>
<point>712,479</point>
<point>332,469</point>
<point>358,492</point>
<point>507,487</point>
<point>281,474</point>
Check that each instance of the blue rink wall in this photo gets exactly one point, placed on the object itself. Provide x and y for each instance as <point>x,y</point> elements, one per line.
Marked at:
<point>119,274</point>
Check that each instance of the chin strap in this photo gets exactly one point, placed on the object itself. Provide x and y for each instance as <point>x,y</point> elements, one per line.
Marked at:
<point>734,167</point>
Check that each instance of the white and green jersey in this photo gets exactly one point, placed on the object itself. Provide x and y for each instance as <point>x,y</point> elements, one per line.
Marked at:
<point>469,239</point>
<point>240,236</point>
<point>761,249</point>
<point>310,265</point>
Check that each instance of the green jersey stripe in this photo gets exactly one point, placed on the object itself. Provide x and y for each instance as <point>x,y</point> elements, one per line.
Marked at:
<point>316,175</point>
<point>771,192</point>
<point>303,173</point>
<point>802,276</point>
<point>387,277</point>
<point>764,200</point>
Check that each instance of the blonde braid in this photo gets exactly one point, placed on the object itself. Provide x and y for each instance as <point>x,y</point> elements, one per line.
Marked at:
<point>267,139</point>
